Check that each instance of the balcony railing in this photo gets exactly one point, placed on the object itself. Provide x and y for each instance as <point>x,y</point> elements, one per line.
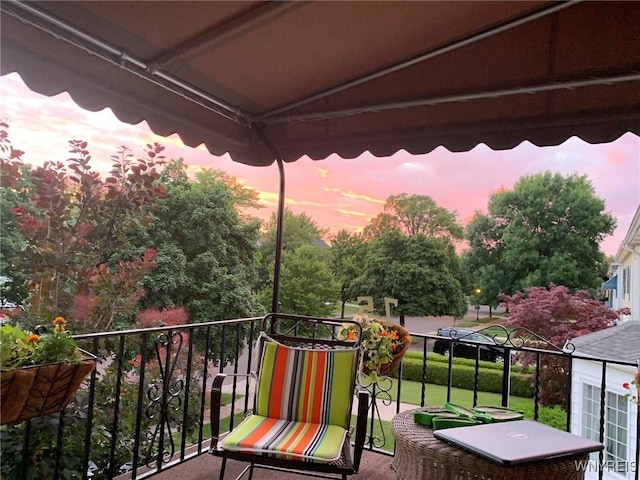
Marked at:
<point>145,407</point>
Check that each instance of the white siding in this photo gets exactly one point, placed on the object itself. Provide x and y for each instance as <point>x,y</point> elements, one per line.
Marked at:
<point>589,373</point>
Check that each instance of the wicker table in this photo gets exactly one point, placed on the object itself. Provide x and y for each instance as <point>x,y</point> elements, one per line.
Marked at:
<point>420,456</point>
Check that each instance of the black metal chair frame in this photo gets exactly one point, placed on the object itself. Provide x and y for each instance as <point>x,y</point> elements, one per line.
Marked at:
<point>312,333</point>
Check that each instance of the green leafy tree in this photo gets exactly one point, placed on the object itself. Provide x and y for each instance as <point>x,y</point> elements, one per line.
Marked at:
<point>206,251</point>
<point>13,281</point>
<point>347,255</point>
<point>413,215</point>
<point>545,231</point>
<point>299,229</point>
<point>417,270</point>
<point>307,283</point>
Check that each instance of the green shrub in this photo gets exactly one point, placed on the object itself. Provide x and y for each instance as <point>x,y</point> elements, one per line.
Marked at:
<point>463,375</point>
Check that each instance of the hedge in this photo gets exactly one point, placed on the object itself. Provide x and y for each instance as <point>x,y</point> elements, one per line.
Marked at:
<point>489,378</point>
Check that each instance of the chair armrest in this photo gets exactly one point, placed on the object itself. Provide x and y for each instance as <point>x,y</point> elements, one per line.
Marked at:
<point>216,400</point>
<point>216,403</point>
<point>361,426</point>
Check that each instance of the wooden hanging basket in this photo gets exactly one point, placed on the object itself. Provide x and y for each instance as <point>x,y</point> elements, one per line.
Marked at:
<point>40,389</point>
<point>386,368</point>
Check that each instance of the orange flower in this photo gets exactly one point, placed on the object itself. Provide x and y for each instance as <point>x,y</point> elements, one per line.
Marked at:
<point>351,335</point>
<point>58,324</point>
<point>33,338</point>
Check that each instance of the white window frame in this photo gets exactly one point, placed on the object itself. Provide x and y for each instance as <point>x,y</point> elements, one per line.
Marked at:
<point>616,428</point>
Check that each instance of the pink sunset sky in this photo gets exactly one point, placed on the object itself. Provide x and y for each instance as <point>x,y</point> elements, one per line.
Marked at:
<point>336,193</point>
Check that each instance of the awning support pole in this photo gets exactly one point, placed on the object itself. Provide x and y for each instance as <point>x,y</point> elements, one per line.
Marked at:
<point>275,297</point>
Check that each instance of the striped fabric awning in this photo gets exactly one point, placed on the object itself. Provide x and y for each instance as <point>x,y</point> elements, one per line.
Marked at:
<point>611,284</point>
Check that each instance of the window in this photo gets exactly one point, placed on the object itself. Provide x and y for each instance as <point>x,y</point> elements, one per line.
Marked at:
<point>626,282</point>
<point>615,426</point>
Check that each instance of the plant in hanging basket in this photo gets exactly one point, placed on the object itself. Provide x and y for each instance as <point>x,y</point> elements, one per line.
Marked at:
<point>39,373</point>
<point>384,345</point>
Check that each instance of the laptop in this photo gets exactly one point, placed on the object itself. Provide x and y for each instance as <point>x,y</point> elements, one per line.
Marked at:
<point>517,442</point>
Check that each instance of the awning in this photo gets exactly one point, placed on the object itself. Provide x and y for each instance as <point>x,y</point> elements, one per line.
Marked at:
<point>316,78</point>
<point>611,284</point>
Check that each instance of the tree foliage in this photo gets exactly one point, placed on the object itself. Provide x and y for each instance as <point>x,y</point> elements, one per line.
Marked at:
<point>298,230</point>
<point>417,270</point>
<point>205,250</point>
<point>347,256</point>
<point>545,231</point>
<point>72,221</point>
<point>557,316</point>
<point>413,215</point>
<point>307,286</point>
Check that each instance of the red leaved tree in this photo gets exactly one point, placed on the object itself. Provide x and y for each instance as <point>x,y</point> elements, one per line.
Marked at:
<point>74,222</point>
<point>557,315</point>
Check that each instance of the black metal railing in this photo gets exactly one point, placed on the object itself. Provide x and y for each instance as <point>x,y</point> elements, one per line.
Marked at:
<point>144,409</point>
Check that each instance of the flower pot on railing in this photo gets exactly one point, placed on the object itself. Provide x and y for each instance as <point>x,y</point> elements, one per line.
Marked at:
<point>384,344</point>
<point>383,369</point>
<point>39,373</point>
<point>40,389</point>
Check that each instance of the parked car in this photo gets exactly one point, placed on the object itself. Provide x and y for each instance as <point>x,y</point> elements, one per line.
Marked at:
<point>488,351</point>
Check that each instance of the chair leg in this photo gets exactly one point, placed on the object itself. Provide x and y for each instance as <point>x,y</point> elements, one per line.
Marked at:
<point>251,471</point>
<point>222,467</point>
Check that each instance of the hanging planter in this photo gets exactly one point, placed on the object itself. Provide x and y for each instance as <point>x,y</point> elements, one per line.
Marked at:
<point>40,389</point>
<point>39,373</point>
<point>384,344</point>
<point>402,343</point>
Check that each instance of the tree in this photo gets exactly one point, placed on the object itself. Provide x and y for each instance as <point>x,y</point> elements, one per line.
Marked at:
<point>413,215</point>
<point>72,223</point>
<point>417,270</point>
<point>206,251</point>
<point>545,231</point>
<point>557,316</point>
<point>308,286</point>
<point>299,229</point>
<point>347,255</point>
<point>301,288</point>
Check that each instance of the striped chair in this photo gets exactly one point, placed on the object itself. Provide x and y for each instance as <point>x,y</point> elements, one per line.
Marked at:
<point>302,408</point>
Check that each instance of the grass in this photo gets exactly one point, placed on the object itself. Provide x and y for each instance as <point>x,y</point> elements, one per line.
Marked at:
<point>381,430</point>
<point>437,394</point>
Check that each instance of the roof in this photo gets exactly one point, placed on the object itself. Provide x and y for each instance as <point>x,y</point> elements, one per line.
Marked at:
<point>621,343</point>
<point>631,239</point>
<point>261,80</point>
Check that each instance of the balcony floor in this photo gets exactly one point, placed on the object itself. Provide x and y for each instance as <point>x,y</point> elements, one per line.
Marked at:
<point>373,466</point>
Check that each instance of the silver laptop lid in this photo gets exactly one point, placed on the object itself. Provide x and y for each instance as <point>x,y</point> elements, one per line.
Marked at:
<point>517,442</point>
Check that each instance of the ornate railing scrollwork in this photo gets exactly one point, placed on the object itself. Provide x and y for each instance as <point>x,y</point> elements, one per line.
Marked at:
<point>165,396</point>
<point>378,392</point>
<point>519,337</point>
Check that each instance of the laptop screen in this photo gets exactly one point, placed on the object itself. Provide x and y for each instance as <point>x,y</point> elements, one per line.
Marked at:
<point>517,442</point>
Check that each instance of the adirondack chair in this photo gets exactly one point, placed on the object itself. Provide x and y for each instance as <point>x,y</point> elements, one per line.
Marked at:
<point>302,409</point>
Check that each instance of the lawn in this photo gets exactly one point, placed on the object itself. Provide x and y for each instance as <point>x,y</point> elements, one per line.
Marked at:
<point>437,395</point>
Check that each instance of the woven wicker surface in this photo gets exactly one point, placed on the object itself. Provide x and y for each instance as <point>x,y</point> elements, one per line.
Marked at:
<point>420,456</point>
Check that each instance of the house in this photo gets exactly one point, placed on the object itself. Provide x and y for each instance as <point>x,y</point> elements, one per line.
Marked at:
<point>620,344</point>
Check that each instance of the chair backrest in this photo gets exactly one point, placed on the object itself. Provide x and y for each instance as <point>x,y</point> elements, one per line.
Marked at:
<point>307,378</point>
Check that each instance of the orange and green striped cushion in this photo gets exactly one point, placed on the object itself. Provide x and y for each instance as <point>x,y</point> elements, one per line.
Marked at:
<point>311,386</point>
<point>286,439</point>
